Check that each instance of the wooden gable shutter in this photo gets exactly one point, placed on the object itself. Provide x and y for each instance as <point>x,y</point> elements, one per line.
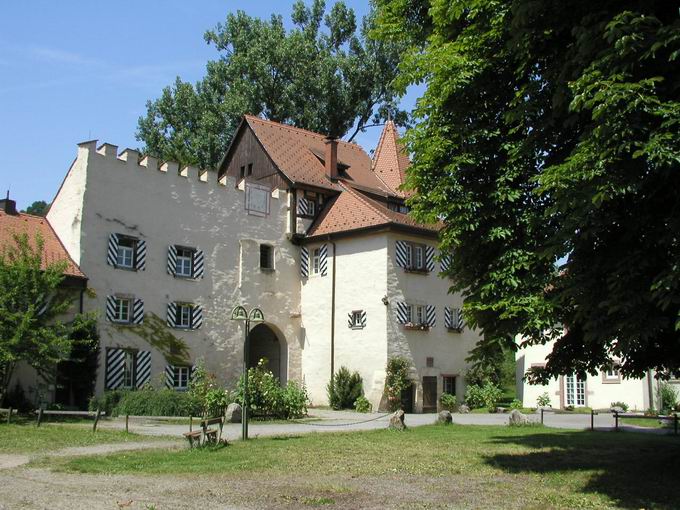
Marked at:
<point>323,260</point>
<point>140,255</point>
<point>197,264</point>
<point>429,258</point>
<point>143,374</point>
<point>138,311</point>
<point>303,208</point>
<point>115,368</point>
<point>304,262</point>
<point>430,315</point>
<point>171,315</point>
<point>196,317</point>
<point>172,260</point>
<point>112,252</point>
<point>402,312</point>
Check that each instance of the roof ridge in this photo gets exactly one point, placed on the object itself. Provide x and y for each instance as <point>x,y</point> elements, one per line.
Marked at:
<point>307,131</point>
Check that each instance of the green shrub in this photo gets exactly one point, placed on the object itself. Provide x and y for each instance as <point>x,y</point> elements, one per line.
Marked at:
<point>163,402</point>
<point>668,399</point>
<point>448,402</point>
<point>216,402</point>
<point>483,396</point>
<point>622,405</point>
<point>543,400</point>
<point>107,402</point>
<point>362,405</point>
<point>396,381</point>
<point>267,398</point>
<point>516,404</point>
<point>344,389</point>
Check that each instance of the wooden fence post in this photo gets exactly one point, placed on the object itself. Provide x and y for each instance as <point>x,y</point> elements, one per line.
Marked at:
<point>96,420</point>
<point>191,423</point>
<point>675,423</point>
<point>616,418</point>
<point>542,415</point>
<point>592,419</point>
<point>40,413</point>
<point>127,419</point>
<point>9,416</point>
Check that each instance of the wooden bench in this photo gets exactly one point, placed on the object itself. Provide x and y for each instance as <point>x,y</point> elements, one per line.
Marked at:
<point>85,414</point>
<point>207,434</point>
<point>9,412</point>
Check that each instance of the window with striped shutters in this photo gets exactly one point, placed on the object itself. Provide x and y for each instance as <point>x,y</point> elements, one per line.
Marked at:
<point>185,262</point>
<point>184,315</point>
<point>414,257</point>
<point>198,266</point>
<point>356,319</point>
<point>124,310</point>
<point>126,252</point>
<point>453,319</point>
<point>121,368</point>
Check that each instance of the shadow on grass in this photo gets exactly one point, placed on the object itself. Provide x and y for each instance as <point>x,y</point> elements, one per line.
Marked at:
<point>634,470</point>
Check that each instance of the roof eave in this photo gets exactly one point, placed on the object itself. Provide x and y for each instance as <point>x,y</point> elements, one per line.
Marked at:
<point>373,229</point>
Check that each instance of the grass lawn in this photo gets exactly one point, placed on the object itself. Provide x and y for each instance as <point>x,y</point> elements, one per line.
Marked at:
<point>27,438</point>
<point>646,422</point>
<point>466,466</point>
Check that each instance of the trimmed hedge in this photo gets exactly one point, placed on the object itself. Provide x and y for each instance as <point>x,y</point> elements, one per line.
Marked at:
<point>147,402</point>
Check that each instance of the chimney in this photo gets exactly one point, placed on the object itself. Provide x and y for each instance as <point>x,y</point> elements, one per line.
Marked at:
<point>9,206</point>
<point>331,158</point>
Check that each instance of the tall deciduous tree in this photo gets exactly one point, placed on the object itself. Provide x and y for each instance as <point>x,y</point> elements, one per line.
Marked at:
<point>549,145</point>
<point>31,303</point>
<point>324,75</point>
<point>37,208</point>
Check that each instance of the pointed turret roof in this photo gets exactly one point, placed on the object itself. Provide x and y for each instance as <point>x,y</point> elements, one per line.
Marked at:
<point>390,161</point>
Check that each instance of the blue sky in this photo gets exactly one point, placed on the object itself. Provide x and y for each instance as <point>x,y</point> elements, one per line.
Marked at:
<point>76,70</point>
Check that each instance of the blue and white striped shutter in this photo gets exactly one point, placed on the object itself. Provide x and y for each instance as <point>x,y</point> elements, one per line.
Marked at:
<point>445,262</point>
<point>171,315</point>
<point>172,260</point>
<point>402,312</point>
<point>429,258</point>
<point>112,252</point>
<point>140,258</point>
<point>138,311</point>
<point>169,376</point>
<point>196,317</point>
<point>448,323</point>
<point>304,262</point>
<point>430,316</point>
<point>323,260</point>
<point>143,375</point>
<point>197,264</point>
<point>303,207</point>
<point>115,368</point>
<point>111,308</point>
<point>401,254</point>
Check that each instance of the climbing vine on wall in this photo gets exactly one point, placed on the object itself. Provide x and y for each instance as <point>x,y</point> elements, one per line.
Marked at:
<point>155,332</point>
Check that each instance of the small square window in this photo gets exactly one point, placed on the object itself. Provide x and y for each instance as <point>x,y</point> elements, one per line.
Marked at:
<point>122,310</point>
<point>449,384</point>
<point>180,380</point>
<point>358,319</point>
<point>266,257</point>
<point>184,266</point>
<point>183,318</point>
<point>126,253</point>
<point>429,362</point>
<point>316,260</point>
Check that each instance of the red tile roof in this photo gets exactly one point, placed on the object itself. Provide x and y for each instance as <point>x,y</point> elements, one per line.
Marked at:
<point>390,160</point>
<point>296,153</point>
<point>53,251</point>
<point>352,210</point>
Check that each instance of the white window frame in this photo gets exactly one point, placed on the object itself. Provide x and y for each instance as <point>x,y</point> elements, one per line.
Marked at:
<point>125,252</point>
<point>316,262</point>
<point>420,313</point>
<point>183,308</point>
<point>408,252</point>
<point>180,377</point>
<point>419,262</point>
<point>118,315</point>
<point>184,261</point>
<point>575,390</point>
<point>128,370</point>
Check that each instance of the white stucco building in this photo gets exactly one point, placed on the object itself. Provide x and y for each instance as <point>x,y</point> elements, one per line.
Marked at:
<point>311,230</point>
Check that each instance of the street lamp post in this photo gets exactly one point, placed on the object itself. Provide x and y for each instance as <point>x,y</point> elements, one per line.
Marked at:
<point>239,313</point>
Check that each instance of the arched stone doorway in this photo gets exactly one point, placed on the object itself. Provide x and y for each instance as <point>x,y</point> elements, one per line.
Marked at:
<point>267,342</point>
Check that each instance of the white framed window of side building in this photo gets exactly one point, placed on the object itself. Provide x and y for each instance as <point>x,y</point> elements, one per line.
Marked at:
<point>180,379</point>
<point>316,261</point>
<point>122,310</point>
<point>183,318</point>
<point>125,258</point>
<point>611,374</point>
<point>184,266</point>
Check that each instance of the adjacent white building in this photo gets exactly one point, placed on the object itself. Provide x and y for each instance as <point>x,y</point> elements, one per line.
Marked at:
<point>310,230</point>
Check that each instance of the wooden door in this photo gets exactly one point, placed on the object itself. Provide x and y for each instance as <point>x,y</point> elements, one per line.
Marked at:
<point>429,394</point>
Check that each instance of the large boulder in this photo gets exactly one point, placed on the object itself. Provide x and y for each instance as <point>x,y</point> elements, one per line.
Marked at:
<point>233,414</point>
<point>463,409</point>
<point>517,418</point>
<point>445,417</point>
<point>397,421</point>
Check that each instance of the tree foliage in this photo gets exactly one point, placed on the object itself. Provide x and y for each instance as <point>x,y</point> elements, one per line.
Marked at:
<point>548,144</point>
<point>31,303</point>
<point>324,75</point>
<point>37,208</point>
